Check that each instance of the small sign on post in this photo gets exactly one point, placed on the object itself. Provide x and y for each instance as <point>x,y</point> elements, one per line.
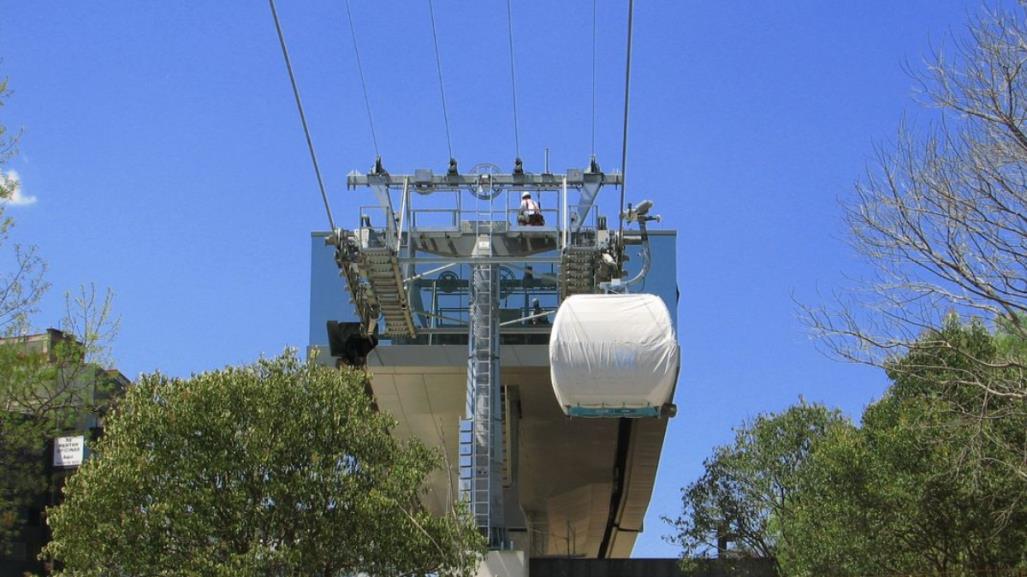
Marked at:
<point>68,451</point>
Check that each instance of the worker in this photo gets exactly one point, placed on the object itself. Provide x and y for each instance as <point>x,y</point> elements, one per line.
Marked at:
<point>531,213</point>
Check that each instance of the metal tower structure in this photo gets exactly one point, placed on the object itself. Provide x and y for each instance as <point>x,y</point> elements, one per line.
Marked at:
<point>459,266</point>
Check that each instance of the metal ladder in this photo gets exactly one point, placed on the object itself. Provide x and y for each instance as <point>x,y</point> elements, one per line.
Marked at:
<point>381,265</point>
<point>482,430</point>
<point>481,379</point>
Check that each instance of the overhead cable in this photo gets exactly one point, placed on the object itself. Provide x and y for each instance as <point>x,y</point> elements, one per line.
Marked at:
<point>624,143</point>
<point>363,83</point>
<point>442,86</point>
<point>303,117</point>
<point>513,76</point>
<point>595,97</point>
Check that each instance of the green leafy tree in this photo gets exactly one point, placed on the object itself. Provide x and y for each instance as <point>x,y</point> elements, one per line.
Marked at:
<point>969,374</point>
<point>940,216</point>
<point>735,508</point>
<point>44,391</point>
<point>50,387</point>
<point>277,468</point>
<point>903,494</point>
<point>22,284</point>
<point>934,481</point>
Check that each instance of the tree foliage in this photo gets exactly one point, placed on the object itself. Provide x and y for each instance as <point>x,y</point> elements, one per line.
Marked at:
<point>26,418</point>
<point>935,480</point>
<point>967,372</point>
<point>942,217</point>
<point>915,489</point>
<point>43,393</point>
<point>278,468</point>
<point>901,494</point>
<point>734,509</point>
<point>50,389</point>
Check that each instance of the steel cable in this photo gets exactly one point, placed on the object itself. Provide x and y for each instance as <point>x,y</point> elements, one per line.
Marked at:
<point>442,87</point>
<point>624,143</point>
<point>303,117</point>
<point>363,83</point>
<point>513,77</point>
<point>595,96</point>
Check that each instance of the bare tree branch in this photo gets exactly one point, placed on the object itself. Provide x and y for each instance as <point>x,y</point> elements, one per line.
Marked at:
<point>941,216</point>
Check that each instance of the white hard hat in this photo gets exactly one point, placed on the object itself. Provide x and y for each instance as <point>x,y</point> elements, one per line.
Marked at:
<point>525,194</point>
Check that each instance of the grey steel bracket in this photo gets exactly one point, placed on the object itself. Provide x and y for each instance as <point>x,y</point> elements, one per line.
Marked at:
<point>424,180</point>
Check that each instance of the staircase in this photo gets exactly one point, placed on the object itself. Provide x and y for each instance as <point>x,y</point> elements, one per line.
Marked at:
<point>381,265</point>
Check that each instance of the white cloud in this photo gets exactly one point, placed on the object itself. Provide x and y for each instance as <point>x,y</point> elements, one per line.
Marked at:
<point>10,190</point>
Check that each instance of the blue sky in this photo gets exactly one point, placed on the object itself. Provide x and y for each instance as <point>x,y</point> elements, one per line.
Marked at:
<point>164,150</point>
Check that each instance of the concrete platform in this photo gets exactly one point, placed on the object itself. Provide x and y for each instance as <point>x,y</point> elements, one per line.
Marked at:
<point>573,487</point>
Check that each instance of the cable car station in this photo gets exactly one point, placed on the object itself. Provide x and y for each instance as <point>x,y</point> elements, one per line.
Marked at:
<point>452,304</point>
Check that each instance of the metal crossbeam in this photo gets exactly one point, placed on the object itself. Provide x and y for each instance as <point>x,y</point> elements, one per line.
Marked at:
<point>519,260</point>
<point>425,179</point>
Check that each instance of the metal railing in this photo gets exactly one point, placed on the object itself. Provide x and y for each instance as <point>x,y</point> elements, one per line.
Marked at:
<point>379,228</point>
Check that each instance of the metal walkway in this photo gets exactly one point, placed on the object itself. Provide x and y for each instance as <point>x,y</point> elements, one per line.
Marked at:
<point>386,281</point>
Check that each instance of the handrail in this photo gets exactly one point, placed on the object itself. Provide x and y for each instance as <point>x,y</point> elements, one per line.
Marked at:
<point>403,212</point>
<point>528,318</point>
<point>408,220</point>
<point>563,243</point>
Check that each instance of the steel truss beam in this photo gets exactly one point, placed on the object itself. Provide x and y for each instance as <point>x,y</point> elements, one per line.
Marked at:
<point>425,180</point>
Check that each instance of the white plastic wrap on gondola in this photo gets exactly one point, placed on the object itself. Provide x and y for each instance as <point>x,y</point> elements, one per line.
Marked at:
<point>613,355</point>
